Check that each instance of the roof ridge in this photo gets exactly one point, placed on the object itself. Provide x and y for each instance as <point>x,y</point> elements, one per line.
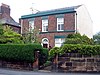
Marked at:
<point>70,7</point>
<point>52,12</point>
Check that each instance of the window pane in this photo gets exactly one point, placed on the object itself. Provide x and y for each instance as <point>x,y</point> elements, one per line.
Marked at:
<point>58,26</point>
<point>62,26</point>
<point>56,41</point>
<point>60,23</point>
<point>46,28</point>
<point>44,25</point>
<point>59,42</point>
<point>31,25</point>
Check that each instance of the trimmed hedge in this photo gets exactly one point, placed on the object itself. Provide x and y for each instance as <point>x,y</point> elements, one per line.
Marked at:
<point>43,56</point>
<point>20,52</point>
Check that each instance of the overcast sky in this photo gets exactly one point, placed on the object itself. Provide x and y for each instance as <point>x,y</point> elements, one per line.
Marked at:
<point>22,7</point>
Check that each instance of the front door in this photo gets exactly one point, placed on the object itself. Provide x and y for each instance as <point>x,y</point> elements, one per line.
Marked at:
<point>45,45</point>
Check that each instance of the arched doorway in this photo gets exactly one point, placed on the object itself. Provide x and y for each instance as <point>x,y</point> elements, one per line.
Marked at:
<point>45,42</point>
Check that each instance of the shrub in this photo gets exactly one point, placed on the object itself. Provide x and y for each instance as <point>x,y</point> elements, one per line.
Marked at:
<point>8,36</point>
<point>82,49</point>
<point>75,48</point>
<point>17,52</point>
<point>43,56</point>
<point>78,39</point>
<point>53,52</point>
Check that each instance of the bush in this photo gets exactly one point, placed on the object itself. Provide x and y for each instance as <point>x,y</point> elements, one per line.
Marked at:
<point>17,52</point>
<point>75,48</point>
<point>53,52</point>
<point>82,49</point>
<point>8,36</point>
<point>43,56</point>
<point>78,39</point>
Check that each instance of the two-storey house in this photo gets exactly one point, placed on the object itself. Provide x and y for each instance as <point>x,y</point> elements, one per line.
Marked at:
<point>55,25</point>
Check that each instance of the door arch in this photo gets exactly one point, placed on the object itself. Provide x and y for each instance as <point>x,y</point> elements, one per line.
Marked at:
<point>45,42</point>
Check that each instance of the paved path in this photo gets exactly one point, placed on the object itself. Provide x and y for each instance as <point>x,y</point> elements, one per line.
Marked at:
<point>14,72</point>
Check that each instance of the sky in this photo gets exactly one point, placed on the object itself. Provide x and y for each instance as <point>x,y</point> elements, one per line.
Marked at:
<point>23,7</point>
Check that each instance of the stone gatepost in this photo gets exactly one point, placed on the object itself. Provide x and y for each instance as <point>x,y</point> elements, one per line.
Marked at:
<point>36,62</point>
<point>55,63</point>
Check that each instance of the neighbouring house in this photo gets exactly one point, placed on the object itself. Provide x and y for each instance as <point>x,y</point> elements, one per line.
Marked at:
<point>55,25</point>
<point>6,19</point>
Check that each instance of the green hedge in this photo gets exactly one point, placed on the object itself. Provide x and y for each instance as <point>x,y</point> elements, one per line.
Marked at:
<point>43,56</point>
<point>82,49</point>
<point>22,52</point>
<point>78,48</point>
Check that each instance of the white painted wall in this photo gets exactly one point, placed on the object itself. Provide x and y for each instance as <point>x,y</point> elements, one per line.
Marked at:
<point>84,22</point>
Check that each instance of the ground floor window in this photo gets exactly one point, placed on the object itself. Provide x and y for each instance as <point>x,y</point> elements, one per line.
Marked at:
<point>59,42</point>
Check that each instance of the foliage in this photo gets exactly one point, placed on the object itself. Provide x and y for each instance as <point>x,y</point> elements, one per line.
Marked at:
<point>82,49</point>
<point>31,36</point>
<point>43,56</point>
<point>9,36</point>
<point>96,38</point>
<point>20,52</point>
<point>1,29</point>
<point>53,52</point>
<point>78,39</point>
<point>76,48</point>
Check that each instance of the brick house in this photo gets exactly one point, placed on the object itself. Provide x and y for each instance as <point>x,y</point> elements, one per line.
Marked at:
<point>55,25</point>
<point>6,19</point>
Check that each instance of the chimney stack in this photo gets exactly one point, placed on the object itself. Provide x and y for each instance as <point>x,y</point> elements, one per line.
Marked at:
<point>5,9</point>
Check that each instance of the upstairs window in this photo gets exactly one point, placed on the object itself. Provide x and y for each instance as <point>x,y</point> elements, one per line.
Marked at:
<point>31,26</point>
<point>60,24</point>
<point>45,25</point>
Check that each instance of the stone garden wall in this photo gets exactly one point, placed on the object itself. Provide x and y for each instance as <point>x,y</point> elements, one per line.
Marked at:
<point>74,62</point>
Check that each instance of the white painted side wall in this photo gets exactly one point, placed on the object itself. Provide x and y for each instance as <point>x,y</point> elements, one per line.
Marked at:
<point>84,22</point>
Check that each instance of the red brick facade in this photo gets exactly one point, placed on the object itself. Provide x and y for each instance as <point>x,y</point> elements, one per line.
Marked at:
<point>69,27</point>
<point>69,21</point>
<point>25,26</point>
<point>16,29</point>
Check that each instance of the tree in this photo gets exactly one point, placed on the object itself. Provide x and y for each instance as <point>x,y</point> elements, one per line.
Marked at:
<point>31,36</point>
<point>9,36</point>
<point>1,29</point>
<point>78,39</point>
<point>96,38</point>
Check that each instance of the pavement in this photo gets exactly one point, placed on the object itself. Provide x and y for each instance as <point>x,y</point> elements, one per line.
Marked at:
<point>41,72</point>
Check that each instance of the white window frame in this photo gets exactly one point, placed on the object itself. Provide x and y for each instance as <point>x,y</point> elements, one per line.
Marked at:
<point>60,22</point>
<point>31,25</point>
<point>59,42</point>
<point>44,25</point>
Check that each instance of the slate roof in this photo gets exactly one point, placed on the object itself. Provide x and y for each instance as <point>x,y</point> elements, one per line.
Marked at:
<point>6,19</point>
<point>9,22</point>
<point>52,12</point>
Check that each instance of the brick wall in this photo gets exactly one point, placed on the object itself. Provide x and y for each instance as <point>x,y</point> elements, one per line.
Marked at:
<point>52,23</point>
<point>16,29</point>
<point>69,21</point>
<point>38,23</point>
<point>25,26</point>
